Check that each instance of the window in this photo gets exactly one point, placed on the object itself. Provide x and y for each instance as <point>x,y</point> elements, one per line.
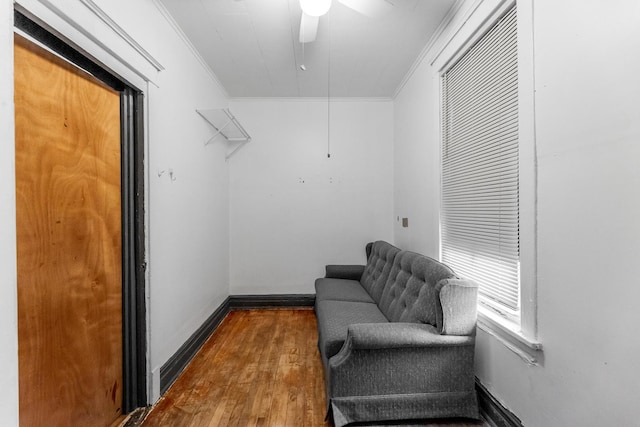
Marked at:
<point>480,210</point>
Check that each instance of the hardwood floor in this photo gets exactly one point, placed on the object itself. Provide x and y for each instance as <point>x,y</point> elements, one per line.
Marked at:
<point>260,368</point>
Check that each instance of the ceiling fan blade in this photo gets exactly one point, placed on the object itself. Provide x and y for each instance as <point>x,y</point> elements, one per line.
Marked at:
<point>370,8</point>
<point>308,28</point>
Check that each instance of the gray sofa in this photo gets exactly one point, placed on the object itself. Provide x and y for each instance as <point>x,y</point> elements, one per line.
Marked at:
<point>397,338</point>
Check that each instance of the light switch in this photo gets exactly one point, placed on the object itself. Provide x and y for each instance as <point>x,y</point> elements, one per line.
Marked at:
<point>405,222</point>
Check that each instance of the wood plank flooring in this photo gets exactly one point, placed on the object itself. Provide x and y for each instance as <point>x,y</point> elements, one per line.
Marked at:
<point>260,368</point>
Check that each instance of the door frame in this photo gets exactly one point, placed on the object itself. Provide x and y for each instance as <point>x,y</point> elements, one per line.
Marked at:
<point>134,340</point>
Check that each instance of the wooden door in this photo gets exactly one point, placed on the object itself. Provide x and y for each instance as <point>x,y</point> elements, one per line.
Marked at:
<point>68,190</point>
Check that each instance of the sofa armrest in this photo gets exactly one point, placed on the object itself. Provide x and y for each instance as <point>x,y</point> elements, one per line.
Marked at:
<point>369,336</point>
<point>400,358</point>
<point>350,272</point>
<point>457,307</point>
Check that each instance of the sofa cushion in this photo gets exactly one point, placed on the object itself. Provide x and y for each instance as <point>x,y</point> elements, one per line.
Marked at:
<point>377,270</point>
<point>342,271</point>
<point>410,294</point>
<point>341,290</point>
<point>334,317</point>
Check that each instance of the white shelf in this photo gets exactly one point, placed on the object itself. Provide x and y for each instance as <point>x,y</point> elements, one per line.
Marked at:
<point>227,126</point>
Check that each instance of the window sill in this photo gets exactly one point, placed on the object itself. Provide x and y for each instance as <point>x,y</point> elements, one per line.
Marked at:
<point>507,333</point>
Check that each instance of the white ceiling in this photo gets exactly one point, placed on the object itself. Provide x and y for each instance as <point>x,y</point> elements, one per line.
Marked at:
<point>252,46</point>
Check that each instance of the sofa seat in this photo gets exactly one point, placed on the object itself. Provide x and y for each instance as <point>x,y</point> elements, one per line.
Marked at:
<point>334,317</point>
<point>341,290</point>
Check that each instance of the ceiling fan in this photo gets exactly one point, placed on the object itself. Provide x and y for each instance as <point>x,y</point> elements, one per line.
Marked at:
<point>312,10</point>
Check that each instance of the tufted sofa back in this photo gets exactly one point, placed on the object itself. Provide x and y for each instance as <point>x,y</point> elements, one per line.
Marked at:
<point>410,293</point>
<point>378,267</point>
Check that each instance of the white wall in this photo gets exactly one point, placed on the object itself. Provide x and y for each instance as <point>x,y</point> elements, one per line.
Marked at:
<point>417,164</point>
<point>293,210</point>
<point>587,124</point>
<point>188,215</point>
<point>8,297</point>
<point>187,222</point>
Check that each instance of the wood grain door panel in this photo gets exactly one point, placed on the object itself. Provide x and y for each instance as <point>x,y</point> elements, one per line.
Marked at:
<point>68,198</point>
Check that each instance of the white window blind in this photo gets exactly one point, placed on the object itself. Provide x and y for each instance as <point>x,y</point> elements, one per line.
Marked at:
<point>480,208</point>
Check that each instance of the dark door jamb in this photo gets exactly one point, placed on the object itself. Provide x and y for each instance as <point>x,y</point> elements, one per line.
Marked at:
<point>133,264</point>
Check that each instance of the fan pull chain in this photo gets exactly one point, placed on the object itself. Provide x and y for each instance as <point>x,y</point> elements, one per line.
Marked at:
<point>302,66</point>
<point>329,88</point>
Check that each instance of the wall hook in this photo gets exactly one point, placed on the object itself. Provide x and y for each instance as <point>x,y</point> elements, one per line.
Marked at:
<point>172,176</point>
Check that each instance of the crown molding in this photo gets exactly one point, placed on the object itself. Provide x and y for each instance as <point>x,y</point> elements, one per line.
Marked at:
<point>310,99</point>
<point>453,11</point>
<point>172,22</point>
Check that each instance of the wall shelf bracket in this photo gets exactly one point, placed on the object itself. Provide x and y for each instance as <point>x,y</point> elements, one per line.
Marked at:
<point>227,125</point>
